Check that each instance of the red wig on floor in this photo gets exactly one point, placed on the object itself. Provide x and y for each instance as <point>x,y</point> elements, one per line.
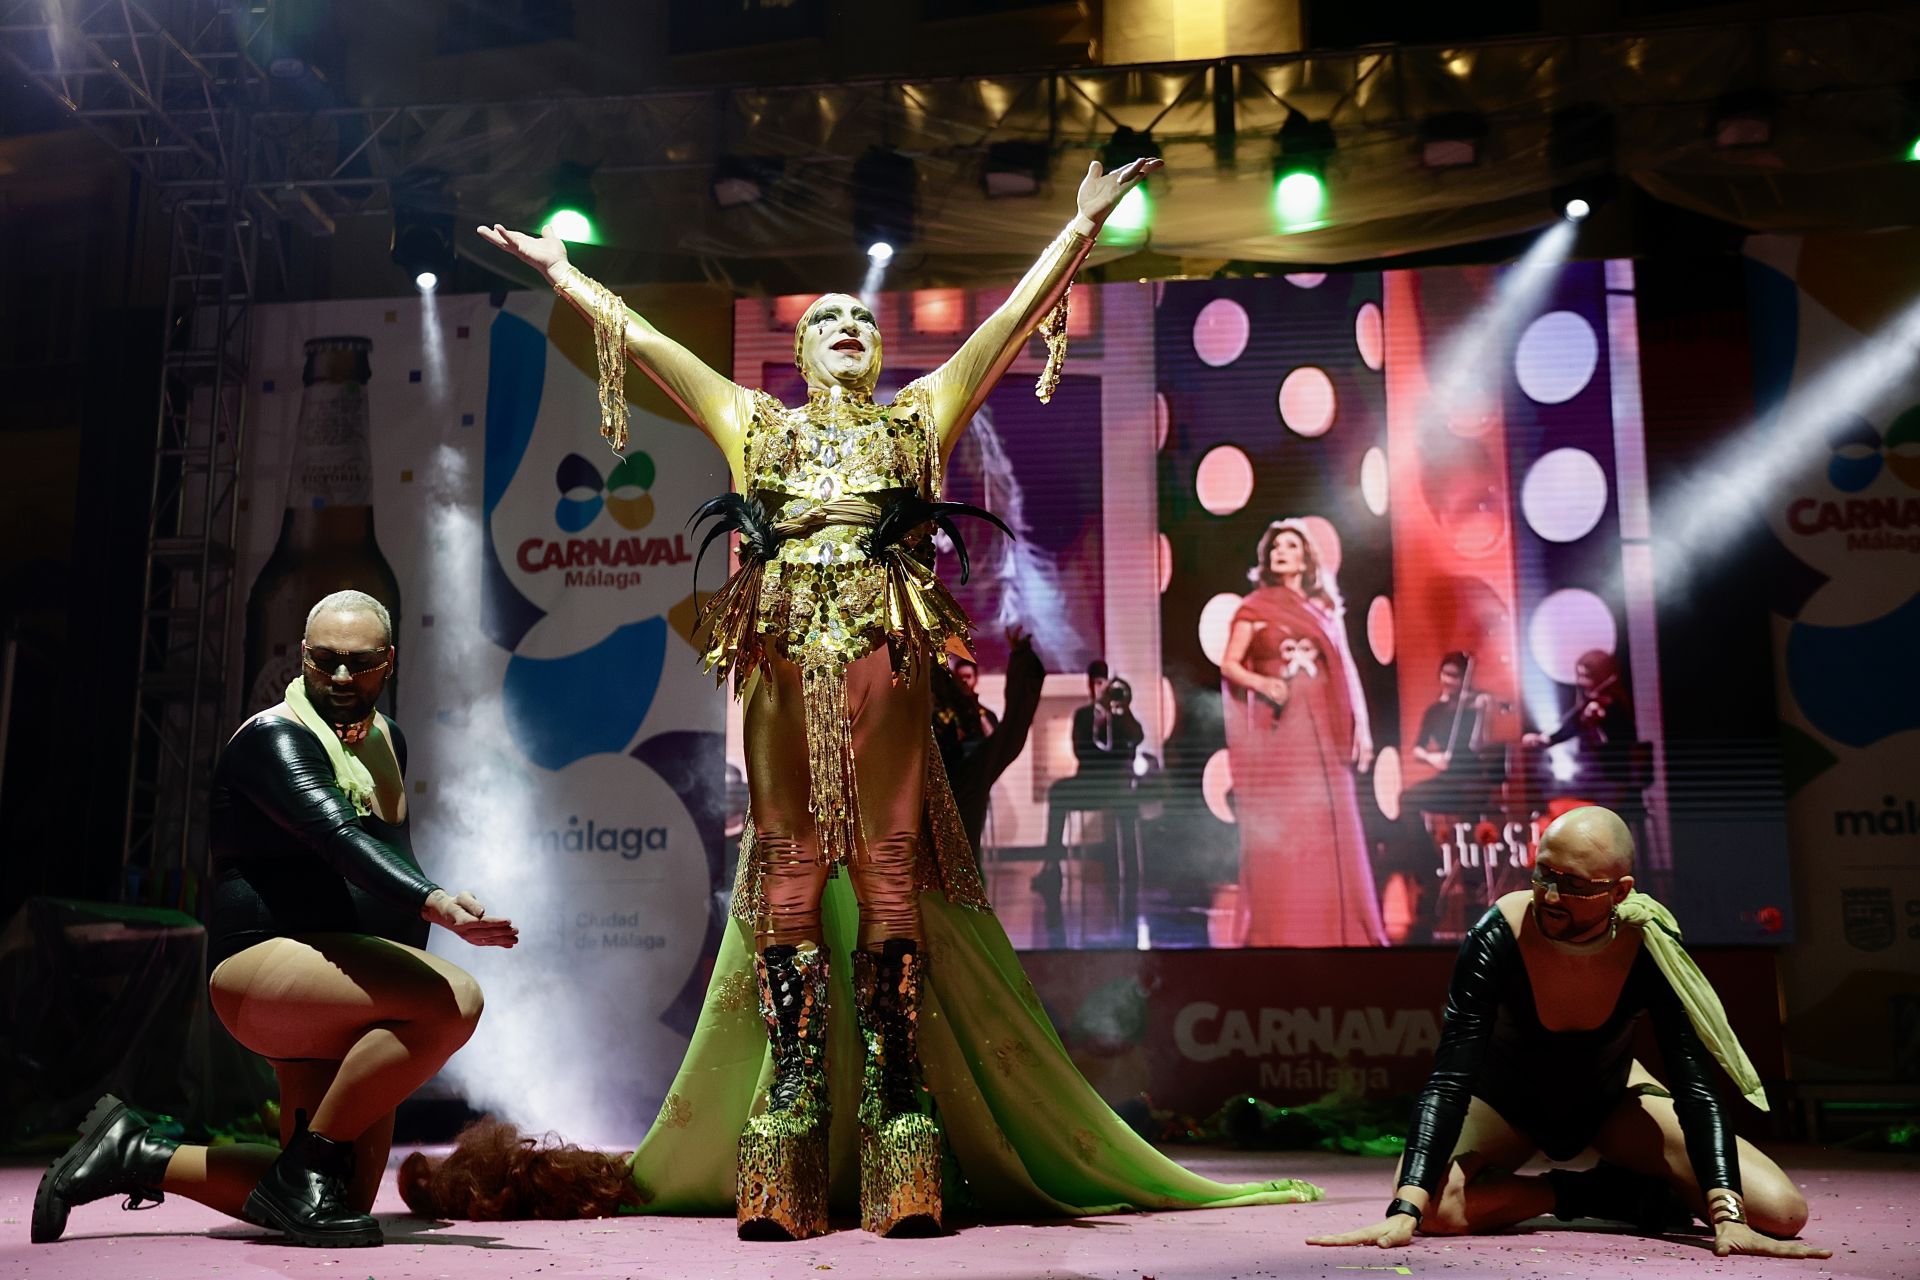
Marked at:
<point>495,1173</point>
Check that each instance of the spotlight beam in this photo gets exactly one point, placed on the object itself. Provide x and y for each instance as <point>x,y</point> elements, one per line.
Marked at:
<point>1516,298</point>
<point>1700,518</point>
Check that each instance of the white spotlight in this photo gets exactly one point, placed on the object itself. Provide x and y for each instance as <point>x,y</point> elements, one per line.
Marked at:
<point>880,251</point>
<point>1577,209</point>
<point>426,282</point>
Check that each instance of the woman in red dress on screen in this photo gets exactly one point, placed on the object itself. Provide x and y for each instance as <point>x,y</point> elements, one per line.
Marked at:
<point>1297,731</point>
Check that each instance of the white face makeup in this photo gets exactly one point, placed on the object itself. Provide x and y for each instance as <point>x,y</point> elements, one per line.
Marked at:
<point>840,343</point>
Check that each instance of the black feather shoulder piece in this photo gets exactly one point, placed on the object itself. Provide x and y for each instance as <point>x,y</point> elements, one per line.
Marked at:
<point>735,513</point>
<point>909,511</point>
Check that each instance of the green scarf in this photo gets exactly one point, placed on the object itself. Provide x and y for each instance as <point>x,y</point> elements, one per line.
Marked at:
<point>353,777</point>
<point>1703,1006</point>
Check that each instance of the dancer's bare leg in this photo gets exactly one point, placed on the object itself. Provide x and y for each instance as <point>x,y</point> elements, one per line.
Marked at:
<point>1643,1134</point>
<point>219,1177</point>
<point>1482,1192</point>
<point>388,1015</point>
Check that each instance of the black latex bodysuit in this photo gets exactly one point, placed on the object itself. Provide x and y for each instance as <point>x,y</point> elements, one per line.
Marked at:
<point>290,855</point>
<point>1556,1087</point>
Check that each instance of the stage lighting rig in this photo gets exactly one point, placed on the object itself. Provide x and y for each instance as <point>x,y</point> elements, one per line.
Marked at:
<point>1452,139</point>
<point>1910,133</point>
<point>885,185</point>
<point>743,180</point>
<point>1132,218</point>
<point>423,220</point>
<point>571,206</point>
<point>1743,118</point>
<point>1301,151</point>
<point>1015,168</point>
<point>1580,156</point>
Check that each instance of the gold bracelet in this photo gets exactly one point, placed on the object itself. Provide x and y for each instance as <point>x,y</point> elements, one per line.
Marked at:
<point>1726,1206</point>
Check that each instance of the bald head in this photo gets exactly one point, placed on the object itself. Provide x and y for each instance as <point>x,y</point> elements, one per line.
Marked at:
<point>1590,842</point>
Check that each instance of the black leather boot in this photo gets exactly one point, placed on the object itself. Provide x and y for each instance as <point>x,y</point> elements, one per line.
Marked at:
<point>117,1154</point>
<point>304,1195</point>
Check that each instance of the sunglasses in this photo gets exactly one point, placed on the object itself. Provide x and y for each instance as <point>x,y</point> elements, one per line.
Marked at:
<point>328,662</point>
<point>1557,885</point>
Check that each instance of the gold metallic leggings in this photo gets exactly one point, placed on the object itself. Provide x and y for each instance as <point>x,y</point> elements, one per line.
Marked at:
<point>890,736</point>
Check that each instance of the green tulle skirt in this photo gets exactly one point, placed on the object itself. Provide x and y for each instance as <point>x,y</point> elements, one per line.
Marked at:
<point>1028,1136</point>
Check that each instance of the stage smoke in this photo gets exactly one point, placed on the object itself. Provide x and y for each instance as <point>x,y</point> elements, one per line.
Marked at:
<point>476,816</point>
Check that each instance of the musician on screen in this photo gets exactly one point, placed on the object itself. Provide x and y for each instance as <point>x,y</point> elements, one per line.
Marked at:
<point>1453,741</point>
<point>1602,726</point>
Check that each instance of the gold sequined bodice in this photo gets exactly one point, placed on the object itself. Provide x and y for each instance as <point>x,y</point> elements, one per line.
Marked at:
<point>824,471</point>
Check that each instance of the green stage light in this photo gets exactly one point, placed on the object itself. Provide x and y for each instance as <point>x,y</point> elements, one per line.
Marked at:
<point>1913,152</point>
<point>570,224</point>
<point>572,204</point>
<point>1299,200</point>
<point>1131,218</point>
<point>1300,153</point>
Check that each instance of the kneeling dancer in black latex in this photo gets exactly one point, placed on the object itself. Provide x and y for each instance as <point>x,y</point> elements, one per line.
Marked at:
<point>1537,1056</point>
<point>317,919</point>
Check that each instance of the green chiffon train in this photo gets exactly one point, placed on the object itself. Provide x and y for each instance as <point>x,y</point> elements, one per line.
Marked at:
<point>1028,1135</point>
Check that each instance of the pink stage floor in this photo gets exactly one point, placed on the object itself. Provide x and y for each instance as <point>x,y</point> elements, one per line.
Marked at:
<point>1864,1209</point>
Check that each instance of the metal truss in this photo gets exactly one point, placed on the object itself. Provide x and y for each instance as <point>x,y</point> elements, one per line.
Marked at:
<point>1837,85</point>
<point>171,85</point>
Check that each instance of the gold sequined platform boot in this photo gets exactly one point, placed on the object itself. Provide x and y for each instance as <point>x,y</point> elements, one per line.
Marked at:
<point>781,1183</point>
<point>900,1144</point>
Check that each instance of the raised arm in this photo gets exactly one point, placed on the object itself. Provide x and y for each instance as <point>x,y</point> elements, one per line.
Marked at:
<point>956,390</point>
<point>716,404</point>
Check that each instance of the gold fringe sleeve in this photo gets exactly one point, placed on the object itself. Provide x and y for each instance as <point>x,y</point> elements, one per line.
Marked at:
<point>1053,331</point>
<point>608,315</point>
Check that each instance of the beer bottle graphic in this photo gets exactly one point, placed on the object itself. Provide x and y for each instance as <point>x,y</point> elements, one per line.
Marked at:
<point>326,541</point>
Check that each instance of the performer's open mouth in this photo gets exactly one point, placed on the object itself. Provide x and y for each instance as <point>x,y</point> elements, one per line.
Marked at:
<point>854,345</point>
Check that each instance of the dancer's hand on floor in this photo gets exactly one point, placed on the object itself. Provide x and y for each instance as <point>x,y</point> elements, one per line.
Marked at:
<point>546,252</point>
<point>1388,1233</point>
<point>463,914</point>
<point>1738,1237</point>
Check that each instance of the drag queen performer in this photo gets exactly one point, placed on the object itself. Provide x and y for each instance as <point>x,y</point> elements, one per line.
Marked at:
<point>1297,730</point>
<point>828,629</point>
